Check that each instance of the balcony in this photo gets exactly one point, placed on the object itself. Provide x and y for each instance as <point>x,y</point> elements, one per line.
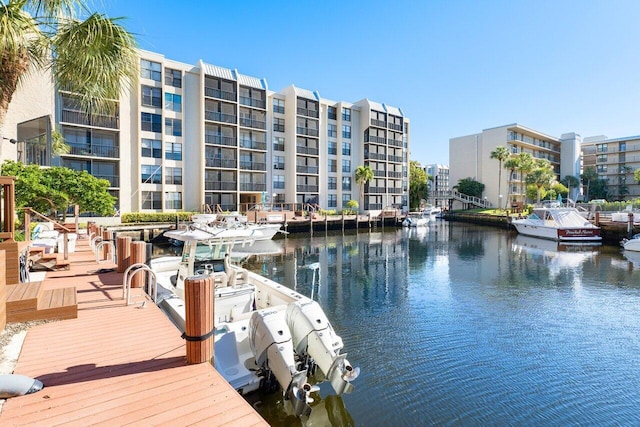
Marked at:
<point>220,185</point>
<point>253,145</point>
<point>220,139</point>
<point>394,190</point>
<point>376,190</point>
<point>306,188</point>
<point>95,151</point>
<point>307,169</point>
<point>80,118</point>
<point>376,139</point>
<point>217,116</point>
<point>278,147</point>
<point>306,131</point>
<point>395,175</point>
<point>375,156</point>
<point>220,94</point>
<point>221,163</point>
<point>307,112</point>
<point>278,128</point>
<point>250,186</point>
<point>253,123</point>
<point>301,149</point>
<point>114,180</point>
<point>379,173</point>
<point>395,142</point>
<point>394,126</point>
<point>253,166</point>
<point>378,123</point>
<point>395,159</point>
<point>251,102</point>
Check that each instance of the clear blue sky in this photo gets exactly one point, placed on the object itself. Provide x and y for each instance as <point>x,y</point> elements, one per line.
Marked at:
<point>454,67</point>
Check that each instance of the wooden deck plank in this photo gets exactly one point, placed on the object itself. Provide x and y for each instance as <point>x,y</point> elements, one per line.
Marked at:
<point>116,364</point>
<point>23,296</point>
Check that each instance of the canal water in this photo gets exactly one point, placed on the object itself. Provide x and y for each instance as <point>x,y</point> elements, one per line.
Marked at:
<point>458,324</point>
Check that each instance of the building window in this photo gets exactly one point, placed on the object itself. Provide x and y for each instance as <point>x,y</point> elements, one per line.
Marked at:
<point>278,162</point>
<point>151,148</point>
<point>172,77</point>
<point>172,151</point>
<point>346,131</point>
<point>601,168</point>
<point>278,143</point>
<point>332,131</point>
<point>152,200</point>
<point>346,183</point>
<point>332,201</point>
<point>150,70</point>
<point>151,174</point>
<point>278,181</point>
<point>173,102</point>
<point>346,114</point>
<point>602,158</point>
<point>346,149</point>
<point>332,184</point>
<point>333,165</point>
<point>623,146</point>
<point>173,127</point>
<point>278,125</point>
<point>151,96</point>
<point>173,200</point>
<point>278,105</point>
<point>331,113</point>
<point>173,176</point>
<point>601,148</point>
<point>151,122</point>
<point>332,147</point>
<point>346,166</point>
<point>345,198</point>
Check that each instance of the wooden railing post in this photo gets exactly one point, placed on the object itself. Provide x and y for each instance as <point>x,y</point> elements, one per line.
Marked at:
<point>198,298</point>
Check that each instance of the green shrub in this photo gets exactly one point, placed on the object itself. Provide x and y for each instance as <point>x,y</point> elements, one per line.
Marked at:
<point>146,217</point>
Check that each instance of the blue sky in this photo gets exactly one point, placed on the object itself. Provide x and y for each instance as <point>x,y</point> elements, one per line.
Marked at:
<point>454,67</point>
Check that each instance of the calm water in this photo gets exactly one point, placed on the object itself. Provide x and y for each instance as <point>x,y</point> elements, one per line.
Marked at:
<point>470,325</point>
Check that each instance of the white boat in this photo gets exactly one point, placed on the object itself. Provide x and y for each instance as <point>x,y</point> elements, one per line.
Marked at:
<point>432,211</point>
<point>266,335</point>
<point>416,219</point>
<point>557,256</point>
<point>235,221</point>
<point>560,224</point>
<point>632,244</point>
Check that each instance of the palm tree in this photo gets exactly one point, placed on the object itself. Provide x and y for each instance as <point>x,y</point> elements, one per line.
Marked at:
<point>571,182</point>
<point>541,176</point>
<point>501,153</point>
<point>94,58</point>
<point>526,164</point>
<point>512,163</point>
<point>363,174</point>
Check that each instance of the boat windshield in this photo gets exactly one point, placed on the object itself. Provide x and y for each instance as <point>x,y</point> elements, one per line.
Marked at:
<point>208,251</point>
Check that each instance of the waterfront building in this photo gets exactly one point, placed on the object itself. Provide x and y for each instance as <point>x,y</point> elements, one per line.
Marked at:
<point>470,157</point>
<point>192,137</point>
<point>439,184</point>
<point>615,161</point>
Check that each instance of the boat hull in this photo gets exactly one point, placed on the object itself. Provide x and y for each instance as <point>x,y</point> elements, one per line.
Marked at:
<point>558,234</point>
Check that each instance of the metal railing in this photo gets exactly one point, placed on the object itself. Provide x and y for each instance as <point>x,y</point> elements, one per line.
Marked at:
<point>128,276</point>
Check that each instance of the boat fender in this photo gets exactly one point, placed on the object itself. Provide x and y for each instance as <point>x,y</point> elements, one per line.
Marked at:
<point>184,336</point>
<point>12,385</point>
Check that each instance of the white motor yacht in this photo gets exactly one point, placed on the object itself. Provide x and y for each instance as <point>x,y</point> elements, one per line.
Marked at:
<point>560,224</point>
<point>416,219</point>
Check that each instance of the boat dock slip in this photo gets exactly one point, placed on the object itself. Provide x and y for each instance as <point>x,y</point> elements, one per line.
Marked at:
<point>117,364</point>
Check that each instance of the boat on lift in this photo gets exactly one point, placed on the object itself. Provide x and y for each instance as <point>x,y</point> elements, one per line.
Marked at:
<point>267,336</point>
<point>416,219</point>
<point>233,221</point>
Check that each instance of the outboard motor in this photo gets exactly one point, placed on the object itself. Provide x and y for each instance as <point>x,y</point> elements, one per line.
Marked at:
<point>313,336</point>
<point>272,348</point>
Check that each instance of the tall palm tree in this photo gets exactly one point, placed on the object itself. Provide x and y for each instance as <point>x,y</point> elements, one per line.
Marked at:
<point>88,53</point>
<point>541,176</point>
<point>570,182</point>
<point>512,163</point>
<point>526,164</point>
<point>363,174</point>
<point>501,153</point>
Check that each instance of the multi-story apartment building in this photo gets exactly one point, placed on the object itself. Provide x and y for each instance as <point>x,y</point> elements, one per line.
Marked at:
<point>470,157</point>
<point>615,161</point>
<point>189,136</point>
<point>439,184</point>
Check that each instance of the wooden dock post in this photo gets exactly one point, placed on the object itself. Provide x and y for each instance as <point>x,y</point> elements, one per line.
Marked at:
<point>123,251</point>
<point>3,291</point>
<point>198,299</point>
<point>138,254</point>
<point>106,237</point>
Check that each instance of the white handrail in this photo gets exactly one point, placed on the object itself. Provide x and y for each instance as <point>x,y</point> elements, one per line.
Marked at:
<point>111,252</point>
<point>94,241</point>
<point>126,281</point>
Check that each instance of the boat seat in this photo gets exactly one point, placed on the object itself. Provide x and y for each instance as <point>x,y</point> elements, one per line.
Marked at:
<point>227,360</point>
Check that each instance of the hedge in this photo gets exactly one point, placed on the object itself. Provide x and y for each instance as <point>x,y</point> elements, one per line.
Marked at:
<point>141,217</point>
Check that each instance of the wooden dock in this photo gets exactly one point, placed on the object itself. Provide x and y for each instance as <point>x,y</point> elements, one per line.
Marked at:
<point>116,364</point>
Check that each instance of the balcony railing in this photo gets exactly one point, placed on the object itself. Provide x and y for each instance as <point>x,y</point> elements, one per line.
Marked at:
<point>252,102</point>
<point>220,185</point>
<point>253,166</point>
<point>395,159</point>
<point>250,186</point>
<point>217,116</point>
<point>114,180</point>
<point>378,123</point>
<point>306,131</point>
<point>80,118</point>
<point>307,112</point>
<point>307,169</point>
<point>95,151</point>
<point>220,94</point>
<point>278,128</point>
<point>306,188</point>
<point>376,139</point>
<point>301,149</point>
<point>379,173</point>
<point>254,145</point>
<point>221,163</point>
<point>278,147</point>
<point>394,142</point>
<point>252,123</point>
<point>395,174</point>
<point>394,190</point>
<point>394,126</point>
<point>376,190</point>
<point>220,139</point>
<point>375,206</point>
<point>375,156</point>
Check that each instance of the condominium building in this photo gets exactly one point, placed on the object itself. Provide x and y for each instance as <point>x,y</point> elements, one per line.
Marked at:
<point>615,161</point>
<point>195,136</point>
<point>439,184</point>
<point>470,157</point>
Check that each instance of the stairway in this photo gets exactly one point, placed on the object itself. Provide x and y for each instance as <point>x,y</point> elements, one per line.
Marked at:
<point>29,301</point>
<point>39,261</point>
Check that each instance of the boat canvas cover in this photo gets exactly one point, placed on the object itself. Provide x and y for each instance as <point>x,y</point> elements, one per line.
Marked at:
<point>563,218</point>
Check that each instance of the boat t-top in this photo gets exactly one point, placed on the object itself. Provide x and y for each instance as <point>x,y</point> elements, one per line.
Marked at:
<point>266,335</point>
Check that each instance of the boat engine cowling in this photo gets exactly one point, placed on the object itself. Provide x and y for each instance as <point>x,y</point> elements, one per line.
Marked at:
<point>313,336</point>
<point>272,347</point>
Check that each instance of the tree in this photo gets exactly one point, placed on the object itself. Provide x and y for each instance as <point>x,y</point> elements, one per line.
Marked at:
<point>636,176</point>
<point>93,58</point>
<point>526,163</point>
<point>363,175</point>
<point>512,163</point>
<point>470,187</point>
<point>501,153</point>
<point>588,176</point>
<point>57,188</point>
<point>570,182</point>
<point>541,176</point>
<point>417,185</point>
